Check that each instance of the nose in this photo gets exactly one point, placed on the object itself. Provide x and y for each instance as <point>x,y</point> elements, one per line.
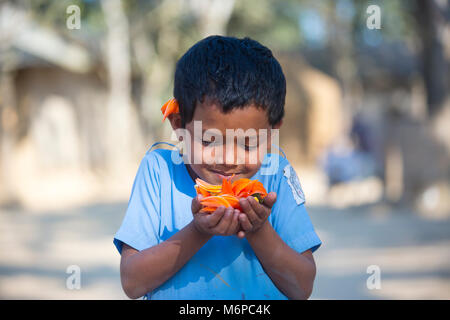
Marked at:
<point>226,157</point>
<point>233,156</point>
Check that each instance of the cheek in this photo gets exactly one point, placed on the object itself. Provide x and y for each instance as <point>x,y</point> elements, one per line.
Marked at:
<point>197,151</point>
<point>253,161</point>
<point>198,170</point>
<point>199,154</point>
<point>253,157</point>
<point>208,155</point>
<point>251,169</point>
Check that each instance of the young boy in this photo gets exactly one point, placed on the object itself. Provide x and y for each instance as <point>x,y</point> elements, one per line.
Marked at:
<point>169,248</point>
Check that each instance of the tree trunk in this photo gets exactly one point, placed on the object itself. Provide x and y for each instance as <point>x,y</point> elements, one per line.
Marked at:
<point>119,126</point>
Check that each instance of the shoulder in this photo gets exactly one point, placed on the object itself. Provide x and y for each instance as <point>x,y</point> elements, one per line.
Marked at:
<point>286,177</point>
<point>158,158</point>
<point>159,154</point>
<point>273,165</point>
<point>154,164</point>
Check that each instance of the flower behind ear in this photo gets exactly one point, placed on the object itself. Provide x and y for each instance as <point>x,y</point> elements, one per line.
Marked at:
<point>169,108</point>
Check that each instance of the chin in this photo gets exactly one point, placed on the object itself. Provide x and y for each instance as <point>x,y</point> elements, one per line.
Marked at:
<point>214,177</point>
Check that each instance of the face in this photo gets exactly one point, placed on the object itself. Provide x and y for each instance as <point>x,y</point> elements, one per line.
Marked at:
<point>226,144</point>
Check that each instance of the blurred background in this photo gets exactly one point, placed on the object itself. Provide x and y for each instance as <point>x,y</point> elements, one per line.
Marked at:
<point>367,128</point>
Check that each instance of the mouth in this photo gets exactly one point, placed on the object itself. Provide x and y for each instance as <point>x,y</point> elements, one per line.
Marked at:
<point>224,175</point>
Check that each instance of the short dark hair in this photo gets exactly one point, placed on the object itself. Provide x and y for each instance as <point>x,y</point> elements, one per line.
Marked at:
<point>231,72</point>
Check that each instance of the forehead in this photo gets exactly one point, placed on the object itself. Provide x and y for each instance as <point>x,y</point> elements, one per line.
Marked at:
<point>248,117</point>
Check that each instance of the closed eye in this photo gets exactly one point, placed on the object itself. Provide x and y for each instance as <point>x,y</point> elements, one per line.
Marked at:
<point>206,143</point>
<point>249,148</point>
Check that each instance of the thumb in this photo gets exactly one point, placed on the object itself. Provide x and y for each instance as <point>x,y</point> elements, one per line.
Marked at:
<point>270,199</point>
<point>196,205</point>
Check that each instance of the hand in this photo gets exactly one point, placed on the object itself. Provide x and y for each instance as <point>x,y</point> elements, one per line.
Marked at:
<point>254,214</point>
<point>223,221</point>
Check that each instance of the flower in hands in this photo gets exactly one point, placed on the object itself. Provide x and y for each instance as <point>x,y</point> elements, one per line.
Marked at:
<point>228,194</point>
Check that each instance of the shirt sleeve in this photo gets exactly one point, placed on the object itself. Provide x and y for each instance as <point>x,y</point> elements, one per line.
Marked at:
<point>140,226</point>
<point>289,216</point>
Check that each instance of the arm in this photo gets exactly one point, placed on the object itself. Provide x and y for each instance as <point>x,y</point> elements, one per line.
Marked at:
<point>143,271</point>
<point>293,273</point>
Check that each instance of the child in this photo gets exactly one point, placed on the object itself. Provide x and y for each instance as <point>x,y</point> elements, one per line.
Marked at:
<point>169,248</point>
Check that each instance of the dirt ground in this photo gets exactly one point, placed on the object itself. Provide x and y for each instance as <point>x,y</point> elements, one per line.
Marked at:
<point>411,252</point>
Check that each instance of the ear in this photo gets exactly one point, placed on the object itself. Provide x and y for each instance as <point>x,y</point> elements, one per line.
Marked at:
<point>175,120</point>
<point>278,125</point>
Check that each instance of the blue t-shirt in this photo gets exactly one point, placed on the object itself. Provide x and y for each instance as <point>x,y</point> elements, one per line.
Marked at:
<point>225,267</point>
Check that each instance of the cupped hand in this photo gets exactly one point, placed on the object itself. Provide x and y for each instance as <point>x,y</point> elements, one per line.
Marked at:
<point>254,214</point>
<point>223,221</point>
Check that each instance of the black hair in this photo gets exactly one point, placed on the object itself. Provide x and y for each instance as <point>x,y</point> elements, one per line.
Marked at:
<point>231,72</point>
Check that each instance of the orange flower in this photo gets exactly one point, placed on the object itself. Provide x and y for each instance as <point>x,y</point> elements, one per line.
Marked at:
<point>170,107</point>
<point>206,189</point>
<point>228,194</point>
<point>245,187</point>
<point>211,203</point>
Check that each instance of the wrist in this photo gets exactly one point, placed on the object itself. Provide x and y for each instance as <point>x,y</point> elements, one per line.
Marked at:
<point>258,232</point>
<point>199,233</point>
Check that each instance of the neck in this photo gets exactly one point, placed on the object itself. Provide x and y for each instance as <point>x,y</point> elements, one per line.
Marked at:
<point>191,172</point>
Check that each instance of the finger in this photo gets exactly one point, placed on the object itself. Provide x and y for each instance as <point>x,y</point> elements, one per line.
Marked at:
<point>248,209</point>
<point>213,219</point>
<point>261,211</point>
<point>241,234</point>
<point>222,227</point>
<point>234,225</point>
<point>196,206</point>
<point>245,223</point>
<point>270,199</point>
